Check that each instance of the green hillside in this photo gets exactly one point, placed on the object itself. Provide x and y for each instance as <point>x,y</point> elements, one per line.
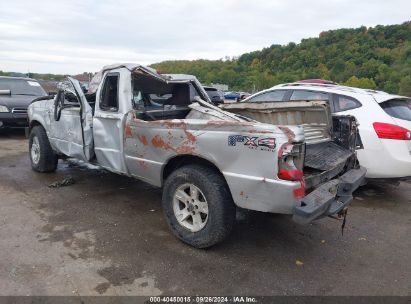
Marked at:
<point>378,57</point>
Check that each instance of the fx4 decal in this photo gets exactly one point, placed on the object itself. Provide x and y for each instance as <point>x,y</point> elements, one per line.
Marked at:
<point>253,142</point>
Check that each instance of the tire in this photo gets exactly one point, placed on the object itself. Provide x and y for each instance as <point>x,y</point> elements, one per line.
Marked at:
<point>217,224</point>
<point>42,156</point>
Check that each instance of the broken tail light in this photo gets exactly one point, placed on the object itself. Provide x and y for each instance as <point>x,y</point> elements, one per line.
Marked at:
<point>290,166</point>
<point>389,131</point>
<point>291,175</point>
<point>299,193</point>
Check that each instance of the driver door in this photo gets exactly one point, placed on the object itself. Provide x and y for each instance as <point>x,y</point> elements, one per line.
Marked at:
<point>71,124</point>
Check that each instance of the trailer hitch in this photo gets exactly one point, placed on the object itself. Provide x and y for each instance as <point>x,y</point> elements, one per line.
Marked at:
<point>341,215</point>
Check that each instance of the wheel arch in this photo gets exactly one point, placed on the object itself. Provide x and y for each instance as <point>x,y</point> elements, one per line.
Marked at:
<point>183,160</point>
<point>34,123</point>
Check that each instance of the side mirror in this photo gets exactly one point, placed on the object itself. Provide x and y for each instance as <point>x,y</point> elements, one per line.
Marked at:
<point>5,92</point>
<point>58,104</point>
<point>60,96</point>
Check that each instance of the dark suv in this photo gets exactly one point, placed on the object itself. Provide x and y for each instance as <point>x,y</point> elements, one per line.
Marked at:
<point>216,96</point>
<point>15,95</point>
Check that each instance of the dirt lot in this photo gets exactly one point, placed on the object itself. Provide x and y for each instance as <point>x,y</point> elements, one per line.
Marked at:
<point>106,235</point>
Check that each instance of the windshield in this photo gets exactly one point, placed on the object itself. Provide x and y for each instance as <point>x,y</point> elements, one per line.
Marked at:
<point>398,108</point>
<point>22,87</point>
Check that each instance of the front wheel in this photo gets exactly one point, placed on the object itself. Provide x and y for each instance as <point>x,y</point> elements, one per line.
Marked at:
<point>42,156</point>
<point>198,206</point>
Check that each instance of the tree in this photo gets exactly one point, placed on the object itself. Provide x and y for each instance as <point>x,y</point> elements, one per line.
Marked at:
<point>378,57</point>
<point>364,83</point>
<point>405,86</point>
<point>369,69</point>
<point>323,71</point>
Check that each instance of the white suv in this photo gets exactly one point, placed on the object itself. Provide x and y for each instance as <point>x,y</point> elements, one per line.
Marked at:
<point>385,122</point>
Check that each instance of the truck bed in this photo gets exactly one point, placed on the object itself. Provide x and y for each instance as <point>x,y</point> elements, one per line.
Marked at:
<point>324,161</point>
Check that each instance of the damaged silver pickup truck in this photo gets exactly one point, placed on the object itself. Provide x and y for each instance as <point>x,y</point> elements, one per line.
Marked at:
<point>291,158</point>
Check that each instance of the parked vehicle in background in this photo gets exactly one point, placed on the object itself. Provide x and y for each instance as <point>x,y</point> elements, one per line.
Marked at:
<point>16,93</point>
<point>232,96</point>
<point>384,122</point>
<point>244,95</point>
<point>236,96</point>
<point>216,96</point>
<point>171,136</point>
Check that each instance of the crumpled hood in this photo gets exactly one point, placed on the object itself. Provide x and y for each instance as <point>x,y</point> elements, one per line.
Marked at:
<point>16,101</point>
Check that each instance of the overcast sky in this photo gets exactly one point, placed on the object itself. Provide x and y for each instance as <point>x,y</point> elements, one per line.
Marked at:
<point>75,36</point>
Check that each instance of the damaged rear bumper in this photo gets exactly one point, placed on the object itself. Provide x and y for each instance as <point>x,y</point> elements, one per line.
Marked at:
<point>329,198</point>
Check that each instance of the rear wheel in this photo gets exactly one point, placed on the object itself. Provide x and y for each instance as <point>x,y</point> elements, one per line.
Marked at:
<point>42,156</point>
<point>198,206</point>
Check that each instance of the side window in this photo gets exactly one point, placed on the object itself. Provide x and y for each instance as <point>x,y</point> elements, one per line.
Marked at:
<point>277,95</point>
<point>344,103</point>
<point>308,95</point>
<point>109,94</point>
